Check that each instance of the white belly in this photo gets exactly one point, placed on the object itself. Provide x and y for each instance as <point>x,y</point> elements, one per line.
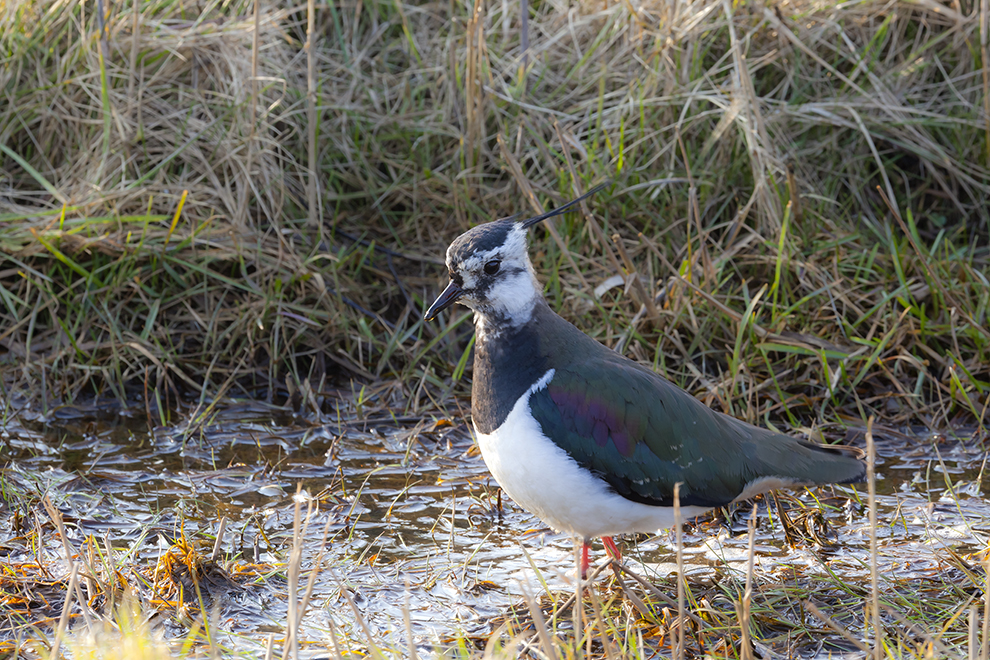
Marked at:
<point>543,479</point>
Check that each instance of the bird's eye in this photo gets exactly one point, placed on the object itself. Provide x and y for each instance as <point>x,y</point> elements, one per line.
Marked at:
<point>492,267</point>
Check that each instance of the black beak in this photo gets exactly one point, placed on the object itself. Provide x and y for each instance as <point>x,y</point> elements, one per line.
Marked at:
<point>445,300</point>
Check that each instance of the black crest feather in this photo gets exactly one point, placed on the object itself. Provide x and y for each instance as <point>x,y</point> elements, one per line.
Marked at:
<point>529,222</point>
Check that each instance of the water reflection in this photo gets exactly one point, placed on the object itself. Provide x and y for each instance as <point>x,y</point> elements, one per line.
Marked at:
<point>412,504</point>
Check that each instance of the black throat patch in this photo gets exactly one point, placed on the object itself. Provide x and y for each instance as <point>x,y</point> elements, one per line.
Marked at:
<point>505,365</point>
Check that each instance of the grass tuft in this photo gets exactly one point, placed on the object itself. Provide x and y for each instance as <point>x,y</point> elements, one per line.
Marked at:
<point>156,212</point>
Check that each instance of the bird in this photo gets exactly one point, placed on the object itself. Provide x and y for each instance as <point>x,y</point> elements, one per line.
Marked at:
<point>589,441</point>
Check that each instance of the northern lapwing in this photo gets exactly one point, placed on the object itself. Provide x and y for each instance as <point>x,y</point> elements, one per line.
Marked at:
<point>587,440</point>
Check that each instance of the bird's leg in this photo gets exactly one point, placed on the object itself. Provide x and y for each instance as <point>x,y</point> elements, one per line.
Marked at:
<point>612,549</point>
<point>585,561</point>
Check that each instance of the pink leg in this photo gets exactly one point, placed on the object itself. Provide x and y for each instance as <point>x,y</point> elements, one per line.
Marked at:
<point>585,561</point>
<point>611,548</point>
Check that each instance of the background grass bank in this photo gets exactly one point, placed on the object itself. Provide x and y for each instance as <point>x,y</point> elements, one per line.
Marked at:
<point>800,189</point>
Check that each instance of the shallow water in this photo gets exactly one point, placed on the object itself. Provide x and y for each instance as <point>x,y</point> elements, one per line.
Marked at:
<point>412,504</point>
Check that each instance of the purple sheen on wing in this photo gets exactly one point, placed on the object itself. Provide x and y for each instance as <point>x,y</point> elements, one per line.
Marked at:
<point>621,441</point>
<point>597,410</point>
<point>568,402</point>
<point>595,418</point>
<point>600,433</point>
<point>612,420</point>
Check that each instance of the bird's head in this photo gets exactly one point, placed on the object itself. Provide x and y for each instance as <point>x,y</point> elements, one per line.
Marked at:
<point>490,271</point>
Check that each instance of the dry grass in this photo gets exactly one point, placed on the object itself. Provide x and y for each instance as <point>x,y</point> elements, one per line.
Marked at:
<point>153,214</point>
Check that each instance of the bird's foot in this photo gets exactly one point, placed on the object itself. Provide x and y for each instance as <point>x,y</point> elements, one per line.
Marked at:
<point>611,548</point>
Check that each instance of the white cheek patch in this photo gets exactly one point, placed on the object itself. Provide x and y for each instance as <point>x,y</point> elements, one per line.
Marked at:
<point>514,296</point>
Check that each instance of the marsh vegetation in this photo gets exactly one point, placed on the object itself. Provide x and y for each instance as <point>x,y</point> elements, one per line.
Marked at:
<point>217,243</point>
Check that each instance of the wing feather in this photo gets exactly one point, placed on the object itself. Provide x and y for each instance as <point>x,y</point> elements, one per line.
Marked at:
<point>642,435</point>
